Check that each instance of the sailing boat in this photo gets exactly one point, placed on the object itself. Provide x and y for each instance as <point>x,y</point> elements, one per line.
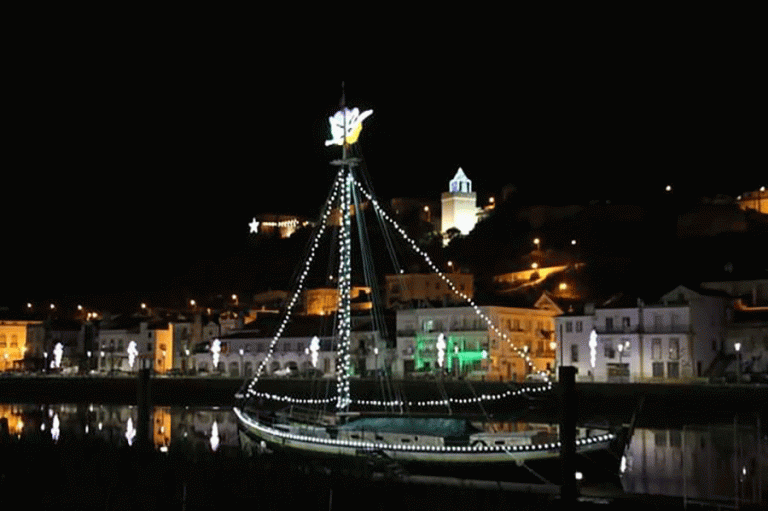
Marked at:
<point>390,428</point>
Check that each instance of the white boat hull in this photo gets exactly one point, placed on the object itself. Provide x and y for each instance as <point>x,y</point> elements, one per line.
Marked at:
<point>312,443</point>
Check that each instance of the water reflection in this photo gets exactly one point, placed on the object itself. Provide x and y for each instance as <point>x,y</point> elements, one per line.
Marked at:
<point>714,463</point>
<point>726,463</point>
<point>209,428</point>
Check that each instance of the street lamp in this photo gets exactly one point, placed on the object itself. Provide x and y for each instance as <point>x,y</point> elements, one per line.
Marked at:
<point>620,347</point>
<point>737,347</point>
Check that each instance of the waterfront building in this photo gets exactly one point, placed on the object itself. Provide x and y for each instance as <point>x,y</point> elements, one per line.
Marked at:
<point>459,342</point>
<point>127,343</point>
<point>746,343</point>
<point>20,339</point>
<point>676,339</point>
<point>306,346</point>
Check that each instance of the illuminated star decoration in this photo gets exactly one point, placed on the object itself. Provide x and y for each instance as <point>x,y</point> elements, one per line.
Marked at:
<point>354,124</point>
<point>254,225</point>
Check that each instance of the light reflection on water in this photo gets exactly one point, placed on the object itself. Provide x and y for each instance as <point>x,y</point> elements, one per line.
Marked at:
<point>211,428</point>
<point>721,463</point>
<point>727,464</point>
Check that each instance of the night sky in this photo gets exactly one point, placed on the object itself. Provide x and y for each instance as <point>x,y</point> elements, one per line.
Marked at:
<point>123,170</point>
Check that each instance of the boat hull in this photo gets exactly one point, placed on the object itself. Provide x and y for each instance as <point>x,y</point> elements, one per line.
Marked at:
<point>533,463</point>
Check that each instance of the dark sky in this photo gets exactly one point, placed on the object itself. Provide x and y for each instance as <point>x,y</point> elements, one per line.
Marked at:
<point>121,167</point>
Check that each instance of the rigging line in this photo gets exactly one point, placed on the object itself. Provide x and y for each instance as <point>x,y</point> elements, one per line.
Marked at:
<point>386,233</point>
<point>370,279</point>
<point>378,316</point>
<point>249,385</point>
<point>414,246</point>
<point>479,402</point>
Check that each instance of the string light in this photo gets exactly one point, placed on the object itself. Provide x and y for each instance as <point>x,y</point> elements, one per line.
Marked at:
<point>346,182</point>
<point>524,356</point>
<point>282,436</point>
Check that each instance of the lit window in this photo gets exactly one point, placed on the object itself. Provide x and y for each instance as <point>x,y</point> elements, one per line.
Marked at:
<point>674,348</point>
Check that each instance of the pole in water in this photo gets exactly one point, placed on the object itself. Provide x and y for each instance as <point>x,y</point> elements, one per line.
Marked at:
<point>144,403</point>
<point>569,411</point>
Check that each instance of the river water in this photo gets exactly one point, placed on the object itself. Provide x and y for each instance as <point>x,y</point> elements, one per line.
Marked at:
<point>68,456</point>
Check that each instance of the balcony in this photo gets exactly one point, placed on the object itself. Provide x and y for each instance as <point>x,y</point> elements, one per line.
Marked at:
<point>667,329</point>
<point>617,329</point>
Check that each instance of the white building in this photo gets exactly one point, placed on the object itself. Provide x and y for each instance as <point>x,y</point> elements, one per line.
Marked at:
<point>675,339</point>
<point>123,344</point>
<point>240,353</point>
<point>459,205</point>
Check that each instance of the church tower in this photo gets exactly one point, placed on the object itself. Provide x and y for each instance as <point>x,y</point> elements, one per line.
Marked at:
<point>459,205</point>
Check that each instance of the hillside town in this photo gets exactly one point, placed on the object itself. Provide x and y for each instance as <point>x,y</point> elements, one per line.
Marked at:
<point>624,292</point>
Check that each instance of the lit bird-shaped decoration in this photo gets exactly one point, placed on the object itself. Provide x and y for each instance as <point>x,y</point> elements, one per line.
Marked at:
<point>592,348</point>
<point>441,345</point>
<point>346,125</point>
<point>215,437</point>
<point>133,352</point>
<point>130,431</point>
<point>58,351</point>
<point>216,352</point>
<point>314,348</point>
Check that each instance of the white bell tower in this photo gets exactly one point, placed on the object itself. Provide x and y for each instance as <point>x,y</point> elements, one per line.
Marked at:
<point>459,205</point>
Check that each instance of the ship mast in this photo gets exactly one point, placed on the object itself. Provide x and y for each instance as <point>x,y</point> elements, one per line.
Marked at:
<point>345,128</point>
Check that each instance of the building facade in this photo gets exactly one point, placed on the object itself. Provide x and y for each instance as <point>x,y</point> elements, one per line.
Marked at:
<point>132,343</point>
<point>459,341</point>
<point>676,339</point>
<point>756,201</point>
<point>459,205</point>
<point>407,290</point>
<point>20,339</point>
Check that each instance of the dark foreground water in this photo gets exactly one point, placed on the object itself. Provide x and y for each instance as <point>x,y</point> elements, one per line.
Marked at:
<point>86,457</point>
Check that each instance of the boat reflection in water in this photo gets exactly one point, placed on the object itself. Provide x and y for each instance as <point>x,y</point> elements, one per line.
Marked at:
<point>724,464</point>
